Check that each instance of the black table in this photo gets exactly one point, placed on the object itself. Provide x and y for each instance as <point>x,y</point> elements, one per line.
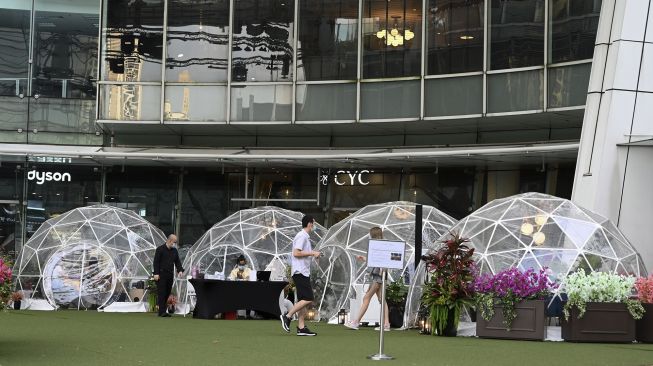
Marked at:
<point>217,296</point>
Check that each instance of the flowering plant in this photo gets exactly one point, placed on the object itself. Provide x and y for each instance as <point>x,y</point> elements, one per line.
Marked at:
<point>16,296</point>
<point>600,287</point>
<point>508,288</point>
<point>172,300</point>
<point>5,281</point>
<point>449,288</point>
<point>644,287</point>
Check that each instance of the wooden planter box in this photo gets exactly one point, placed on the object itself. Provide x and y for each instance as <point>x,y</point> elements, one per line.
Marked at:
<point>645,325</point>
<point>529,323</point>
<point>602,322</point>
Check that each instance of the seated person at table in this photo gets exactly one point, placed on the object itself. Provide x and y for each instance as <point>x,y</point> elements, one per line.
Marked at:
<point>241,272</point>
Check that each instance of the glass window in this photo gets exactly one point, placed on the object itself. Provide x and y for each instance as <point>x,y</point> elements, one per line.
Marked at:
<point>261,103</point>
<point>65,49</point>
<point>392,38</point>
<point>148,191</point>
<point>62,115</point>
<point>515,91</point>
<point>204,202</point>
<point>328,39</point>
<point>517,33</point>
<point>263,40</point>
<point>453,96</point>
<point>53,189</point>
<point>455,36</point>
<point>14,44</point>
<point>449,189</point>
<point>198,41</point>
<point>568,85</point>
<point>573,29</point>
<point>130,102</point>
<point>384,100</point>
<point>132,43</point>
<point>14,117</point>
<point>323,102</point>
<point>195,103</point>
<point>381,187</point>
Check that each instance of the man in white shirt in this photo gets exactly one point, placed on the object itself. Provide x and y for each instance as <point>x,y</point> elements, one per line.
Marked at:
<point>301,271</point>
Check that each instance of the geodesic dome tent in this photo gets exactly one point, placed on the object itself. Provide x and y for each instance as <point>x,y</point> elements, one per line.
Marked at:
<point>263,235</point>
<point>88,257</point>
<point>535,230</point>
<point>338,269</point>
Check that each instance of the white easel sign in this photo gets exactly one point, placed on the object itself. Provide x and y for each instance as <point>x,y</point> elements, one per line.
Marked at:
<point>387,254</point>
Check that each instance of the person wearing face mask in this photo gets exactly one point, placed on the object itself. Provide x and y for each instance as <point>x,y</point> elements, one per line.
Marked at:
<point>166,258</point>
<point>241,272</point>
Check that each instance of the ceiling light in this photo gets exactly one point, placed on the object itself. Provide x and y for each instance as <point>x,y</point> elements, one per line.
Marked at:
<point>466,37</point>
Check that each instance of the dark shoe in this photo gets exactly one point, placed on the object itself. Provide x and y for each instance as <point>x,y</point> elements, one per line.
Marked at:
<point>165,315</point>
<point>285,322</point>
<point>305,332</point>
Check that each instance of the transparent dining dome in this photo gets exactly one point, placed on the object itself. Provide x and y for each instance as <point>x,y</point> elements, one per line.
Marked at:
<point>88,257</point>
<point>263,235</point>
<point>338,270</point>
<point>535,230</point>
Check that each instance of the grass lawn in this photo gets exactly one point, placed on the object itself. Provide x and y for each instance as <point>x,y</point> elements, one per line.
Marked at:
<point>91,338</point>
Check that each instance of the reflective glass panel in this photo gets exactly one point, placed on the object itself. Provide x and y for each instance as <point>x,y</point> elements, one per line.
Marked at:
<point>453,96</point>
<point>455,36</point>
<point>62,115</point>
<point>515,91</point>
<point>14,118</point>
<point>516,33</point>
<point>263,40</point>
<point>195,103</point>
<point>392,38</point>
<point>396,99</point>
<point>328,39</point>
<point>130,102</point>
<point>14,44</point>
<point>132,43</point>
<point>261,103</point>
<point>65,49</point>
<point>198,40</point>
<point>568,85</point>
<point>573,26</point>
<point>323,102</point>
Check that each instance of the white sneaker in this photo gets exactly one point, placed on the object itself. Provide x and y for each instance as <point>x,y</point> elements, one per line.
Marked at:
<point>352,325</point>
<point>385,329</point>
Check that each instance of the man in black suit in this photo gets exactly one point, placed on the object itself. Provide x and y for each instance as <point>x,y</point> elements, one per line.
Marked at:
<point>166,258</point>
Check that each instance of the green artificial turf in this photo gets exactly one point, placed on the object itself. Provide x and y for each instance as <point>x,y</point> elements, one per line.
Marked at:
<point>91,338</point>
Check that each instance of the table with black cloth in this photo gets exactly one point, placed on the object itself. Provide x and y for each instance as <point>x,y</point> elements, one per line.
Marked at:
<point>217,296</point>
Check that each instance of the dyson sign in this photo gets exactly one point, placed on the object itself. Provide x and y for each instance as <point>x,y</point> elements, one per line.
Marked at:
<point>42,177</point>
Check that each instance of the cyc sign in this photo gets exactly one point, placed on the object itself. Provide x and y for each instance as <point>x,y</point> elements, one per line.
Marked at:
<point>42,177</point>
<point>347,177</point>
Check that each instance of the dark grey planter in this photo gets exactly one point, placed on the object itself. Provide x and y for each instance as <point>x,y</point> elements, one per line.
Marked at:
<point>528,325</point>
<point>603,322</point>
<point>645,325</point>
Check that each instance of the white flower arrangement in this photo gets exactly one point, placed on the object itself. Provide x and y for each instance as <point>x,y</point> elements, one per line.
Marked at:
<point>582,288</point>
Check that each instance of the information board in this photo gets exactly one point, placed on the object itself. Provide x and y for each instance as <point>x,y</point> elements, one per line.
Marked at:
<point>387,254</point>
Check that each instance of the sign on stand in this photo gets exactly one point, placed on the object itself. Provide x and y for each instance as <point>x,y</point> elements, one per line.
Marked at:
<point>384,254</point>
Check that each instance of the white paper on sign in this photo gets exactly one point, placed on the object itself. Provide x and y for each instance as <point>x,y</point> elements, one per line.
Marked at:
<point>386,254</point>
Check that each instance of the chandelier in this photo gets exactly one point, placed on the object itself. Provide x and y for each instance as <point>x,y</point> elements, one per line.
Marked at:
<point>393,37</point>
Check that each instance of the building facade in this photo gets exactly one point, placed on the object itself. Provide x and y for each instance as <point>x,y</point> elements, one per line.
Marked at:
<point>188,110</point>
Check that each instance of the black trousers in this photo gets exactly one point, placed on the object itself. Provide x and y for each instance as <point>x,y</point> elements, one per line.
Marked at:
<point>163,289</point>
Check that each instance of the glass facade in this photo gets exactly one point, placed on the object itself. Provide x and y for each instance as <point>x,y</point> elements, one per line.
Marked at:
<point>287,61</point>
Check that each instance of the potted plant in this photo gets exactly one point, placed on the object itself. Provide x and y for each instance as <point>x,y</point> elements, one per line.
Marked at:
<point>395,295</point>
<point>510,304</point>
<point>171,303</point>
<point>644,326</point>
<point>449,284</point>
<point>5,281</point>
<point>599,308</point>
<point>151,294</point>
<point>16,298</point>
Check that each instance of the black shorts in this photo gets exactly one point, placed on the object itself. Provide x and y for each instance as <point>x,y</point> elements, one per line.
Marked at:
<point>303,286</point>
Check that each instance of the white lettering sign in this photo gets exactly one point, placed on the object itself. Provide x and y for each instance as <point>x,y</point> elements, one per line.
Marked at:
<point>347,177</point>
<point>42,177</point>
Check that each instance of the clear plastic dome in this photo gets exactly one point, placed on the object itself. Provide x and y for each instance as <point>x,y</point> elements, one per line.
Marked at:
<point>88,257</point>
<point>263,235</point>
<point>338,269</point>
<point>535,230</point>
